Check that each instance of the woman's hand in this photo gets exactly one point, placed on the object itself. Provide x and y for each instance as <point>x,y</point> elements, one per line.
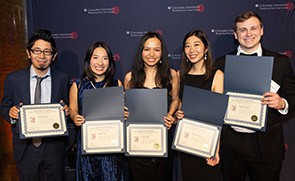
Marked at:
<point>126,113</point>
<point>79,120</point>
<point>213,161</point>
<point>179,114</point>
<point>169,120</point>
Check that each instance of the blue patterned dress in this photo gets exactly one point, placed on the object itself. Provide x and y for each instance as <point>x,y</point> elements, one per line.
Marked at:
<point>99,167</point>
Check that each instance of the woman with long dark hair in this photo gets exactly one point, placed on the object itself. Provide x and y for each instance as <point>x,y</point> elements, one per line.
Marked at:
<point>99,72</point>
<point>150,70</point>
<point>197,70</point>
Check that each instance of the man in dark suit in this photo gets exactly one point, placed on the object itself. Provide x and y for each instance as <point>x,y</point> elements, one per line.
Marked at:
<point>244,151</point>
<point>46,160</point>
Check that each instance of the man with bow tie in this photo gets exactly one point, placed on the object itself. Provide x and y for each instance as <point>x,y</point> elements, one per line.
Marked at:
<point>245,151</point>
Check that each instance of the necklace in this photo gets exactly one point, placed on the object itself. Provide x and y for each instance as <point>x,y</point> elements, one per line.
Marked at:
<point>94,86</point>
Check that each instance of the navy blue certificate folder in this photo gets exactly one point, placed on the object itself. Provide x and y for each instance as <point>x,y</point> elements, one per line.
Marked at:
<point>204,105</point>
<point>248,74</point>
<point>146,105</point>
<point>104,103</point>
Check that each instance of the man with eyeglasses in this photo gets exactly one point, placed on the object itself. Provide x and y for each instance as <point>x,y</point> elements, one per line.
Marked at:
<point>42,159</point>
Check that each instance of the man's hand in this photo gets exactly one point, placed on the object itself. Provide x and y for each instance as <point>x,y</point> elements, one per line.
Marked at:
<point>273,100</point>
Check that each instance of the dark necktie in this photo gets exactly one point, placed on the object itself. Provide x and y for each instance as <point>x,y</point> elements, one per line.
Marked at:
<point>37,99</point>
<point>253,54</point>
<point>38,141</point>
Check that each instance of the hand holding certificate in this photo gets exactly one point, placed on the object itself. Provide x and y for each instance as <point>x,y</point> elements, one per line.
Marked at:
<point>245,110</point>
<point>42,120</point>
<point>197,138</point>
<point>199,131</point>
<point>103,130</point>
<point>146,139</point>
<point>102,136</point>
<point>246,79</point>
<point>146,134</point>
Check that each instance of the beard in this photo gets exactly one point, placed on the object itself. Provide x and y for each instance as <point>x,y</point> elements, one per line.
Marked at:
<point>42,67</point>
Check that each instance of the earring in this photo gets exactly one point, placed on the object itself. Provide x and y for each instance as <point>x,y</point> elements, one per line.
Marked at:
<point>205,56</point>
<point>187,60</point>
<point>160,61</point>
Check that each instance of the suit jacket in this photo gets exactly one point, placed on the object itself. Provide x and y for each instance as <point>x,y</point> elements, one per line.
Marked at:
<point>17,90</point>
<point>271,142</point>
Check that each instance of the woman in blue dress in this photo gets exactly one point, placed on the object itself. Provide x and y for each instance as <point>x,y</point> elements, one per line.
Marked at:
<point>99,72</point>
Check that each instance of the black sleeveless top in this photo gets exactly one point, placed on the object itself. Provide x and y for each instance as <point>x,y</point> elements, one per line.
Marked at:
<point>197,81</point>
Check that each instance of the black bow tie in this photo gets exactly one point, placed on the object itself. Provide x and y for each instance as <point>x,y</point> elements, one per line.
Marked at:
<point>253,54</point>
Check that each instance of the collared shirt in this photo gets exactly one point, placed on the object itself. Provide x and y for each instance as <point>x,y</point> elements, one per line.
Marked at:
<point>45,87</point>
<point>284,111</point>
<point>258,51</point>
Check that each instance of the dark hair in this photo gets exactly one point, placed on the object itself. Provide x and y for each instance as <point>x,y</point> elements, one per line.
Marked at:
<point>109,74</point>
<point>163,75</point>
<point>42,34</point>
<point>185,65</point>
<point>245,16</point>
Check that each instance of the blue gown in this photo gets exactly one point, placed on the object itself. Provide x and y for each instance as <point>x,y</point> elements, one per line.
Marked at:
<point>99,167</point>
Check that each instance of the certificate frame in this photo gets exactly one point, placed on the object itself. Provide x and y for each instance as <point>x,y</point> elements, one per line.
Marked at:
<point>248,74</point>
<point>246,110</point>
<point>102,137</point>
<point>137,136</point>
<point>42,120</point>
<point>196,138</point>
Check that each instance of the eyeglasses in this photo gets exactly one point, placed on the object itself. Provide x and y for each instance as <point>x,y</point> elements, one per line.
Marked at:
<point>45,52</point>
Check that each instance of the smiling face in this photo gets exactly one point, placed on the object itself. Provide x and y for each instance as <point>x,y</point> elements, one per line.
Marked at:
<point>41,62</point>
<point>194,49</point>
<point>249,33</point>
<point>99,62</point>
<point>152,52</point>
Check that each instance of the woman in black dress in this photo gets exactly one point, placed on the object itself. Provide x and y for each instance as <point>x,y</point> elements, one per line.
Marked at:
<point>151,69</point>
<point>196,70</point>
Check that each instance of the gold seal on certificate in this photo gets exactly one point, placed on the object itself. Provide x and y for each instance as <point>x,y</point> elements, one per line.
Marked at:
<point>254,118</point>
<point>102,136</point>
<point>245,110</point>
<point>42,120</point>
<point>196,138</point>
<point>146,140</point>
<point>55,125</point>
<point>157,146</point>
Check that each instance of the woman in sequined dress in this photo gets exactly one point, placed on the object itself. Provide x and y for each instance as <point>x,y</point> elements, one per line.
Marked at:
<point>99,72</point>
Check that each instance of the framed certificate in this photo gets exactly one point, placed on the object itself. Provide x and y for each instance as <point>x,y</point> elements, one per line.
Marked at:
<point>245,110</point>
<point>42,120</point>
<point>146,140</point>
<point>103,136</point>
<point>196,138</point>
<point>248,74</point>
<point>103,131</point>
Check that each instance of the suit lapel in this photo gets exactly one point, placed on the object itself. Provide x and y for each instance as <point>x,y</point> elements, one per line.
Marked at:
<point>25,87</point>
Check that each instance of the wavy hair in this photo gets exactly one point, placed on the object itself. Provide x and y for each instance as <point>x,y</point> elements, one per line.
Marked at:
<point>163,76</point>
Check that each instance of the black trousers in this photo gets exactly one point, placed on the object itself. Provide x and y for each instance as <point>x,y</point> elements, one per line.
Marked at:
<point>41,164</point>
<point>241,155</point>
